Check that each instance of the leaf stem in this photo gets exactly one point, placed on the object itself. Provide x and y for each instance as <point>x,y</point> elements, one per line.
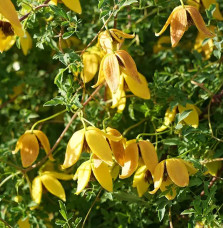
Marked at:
<point>151,134</point>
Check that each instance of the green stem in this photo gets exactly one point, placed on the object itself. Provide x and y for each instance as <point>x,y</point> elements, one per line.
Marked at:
<point>133,126</point>
<point>151,134</point>
<point>8,178</point>
<point>48,118</point>
<point>182,3</point>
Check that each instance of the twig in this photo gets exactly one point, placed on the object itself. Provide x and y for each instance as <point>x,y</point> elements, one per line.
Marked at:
<point>212,160</point>
<point>170,218</point>
<point>63,133</point>
<point>6,224</point>
<point>45,4</point>
<point>201,85</point>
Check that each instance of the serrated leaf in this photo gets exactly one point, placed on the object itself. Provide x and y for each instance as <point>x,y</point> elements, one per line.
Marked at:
<point>55,101</point>
<point>183,115</point>
<point>58,11</point>
<point>63,211</point>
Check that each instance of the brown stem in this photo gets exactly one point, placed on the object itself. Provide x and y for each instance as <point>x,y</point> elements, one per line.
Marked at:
<point>63,133</point>
<point>6,224</point>
<point>60,39</point>
<point>170,218</point>
<point>210,185</point>
<point>45,4</point>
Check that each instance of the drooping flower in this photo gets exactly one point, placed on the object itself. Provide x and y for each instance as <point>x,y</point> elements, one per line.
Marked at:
<point>192,119</point>
<point>96,141</point>
<point>26,43</point>
<point>101,171</point>
<point>29,144</point>
<point>50,182</point>
<point>180,19</point>
<point>73,5</point>
<point>133,149</point>
<point>172,172</point>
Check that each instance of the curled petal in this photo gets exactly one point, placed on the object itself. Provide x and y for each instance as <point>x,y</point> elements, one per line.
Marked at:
<point>6,42</point>
<point>101,76</point>
<point>105,41</point>
<point>29,149</point>
<point>119,36</point>
<point>53,186</point>
<point>177,172</point>
<point>74,5</point>
<point>178,26</point>
<point>102,173</point>
<point>91,63</point>
<point>26,43</point>
<point>149,155</point>
<point>128,64</point>
<point>117,147</point>
<point>193,118</point>
<point>18,145</point>
<point>60,176</point>
<point>140,89</point>
<point>131,160</point>
<point>83,175</point>
<point>7,9</point>
<point>168,21</point>
<point>198,21</point>
<point>158,177</point>
<point>213,167</point>
<point>44,142</point>
<point>36,192</point>
<point>99,146</point>
<point>74,149</point>
<point>111,72</point>
<point>170,195</point>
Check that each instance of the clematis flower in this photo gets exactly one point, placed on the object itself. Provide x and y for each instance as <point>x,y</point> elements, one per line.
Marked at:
<point>118,65</point>
<point>29,144</point>
<point>96,141</point>
<point>50,182</point>
<point>73,5</point>
<point>172,172</point>
<point>133,149</point>
<point>26,43</point>
<point>192,119</point>
<point>180,19</point>
<point>101,171</point>
<point>142,180</point>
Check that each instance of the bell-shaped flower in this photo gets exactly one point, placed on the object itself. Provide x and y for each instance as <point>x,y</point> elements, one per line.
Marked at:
<point>101,171</point>
<point>26,43</point>
<point>143,149</point>
<point>29,144</point>
<point>142,180</point>
<point>171,172</point>
<point>120,64</point>
<point>73,5</point>
<point>96,141</point>
<point>180,19</point>
<point>50,181</point>
<point>7,10</point>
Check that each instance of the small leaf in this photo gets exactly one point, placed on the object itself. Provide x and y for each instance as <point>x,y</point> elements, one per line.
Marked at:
<point>55,101</point>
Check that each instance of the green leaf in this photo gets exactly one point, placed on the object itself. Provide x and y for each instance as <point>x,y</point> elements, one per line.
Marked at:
<point>55,101</point>
<point>63,211</point>
<point>59,11</point>
<point>188,211</point>
<point>66,35</point>
<point>183,115</point>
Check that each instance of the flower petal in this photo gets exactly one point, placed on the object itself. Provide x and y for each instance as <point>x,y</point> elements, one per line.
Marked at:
<point>101,76</point>
<point>36,192</point>
<point>6,42</point>
<point>131,160</point>
<point>149,155</point>
<point>192,119</point>
<point>18,145</point>
<point>105,41</point>
<point>120,36</point>
<point>102,173</point>
<point>91,63</point>
<point>26,43</point>
<point>74,5</point>
<point>7,9</point>
<point>60,176</point>
<point>53,186</point>
<point>158,177</point>
<point>213,167</point>
<point>177,172</point>
<point>117,147</point>
<point>198,21</point>
<point>168,21</point>
<point>29,149</point>
<point>111,72</point>
<point>83,175</point>
<point>99,146</point>
<point>164,186</point>
<point>74,149</point>
<point>190,168</point>
<point>24,223</point>
<point>140,89</point>
<point>178,26</point>
<point>44,142</point>
<point>128,64</point>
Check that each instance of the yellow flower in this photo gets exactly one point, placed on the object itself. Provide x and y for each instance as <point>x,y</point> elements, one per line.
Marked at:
<point>101,171</point>
<point>171,172</point>
<point>6,42</point>
<point>49,180</point>
<point>73,5</point>
<point>118,65</point>
<point>131,159</point>
<point>142,180</point>
<point>26,43</point>
<point>96,141</point>
<point>24,223</point>
<point>180,19</point>
<point>28,144</point>
<point>159,46</point>
<point>213,167</point>
<point>7,10</point>
<point>192,119</point>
